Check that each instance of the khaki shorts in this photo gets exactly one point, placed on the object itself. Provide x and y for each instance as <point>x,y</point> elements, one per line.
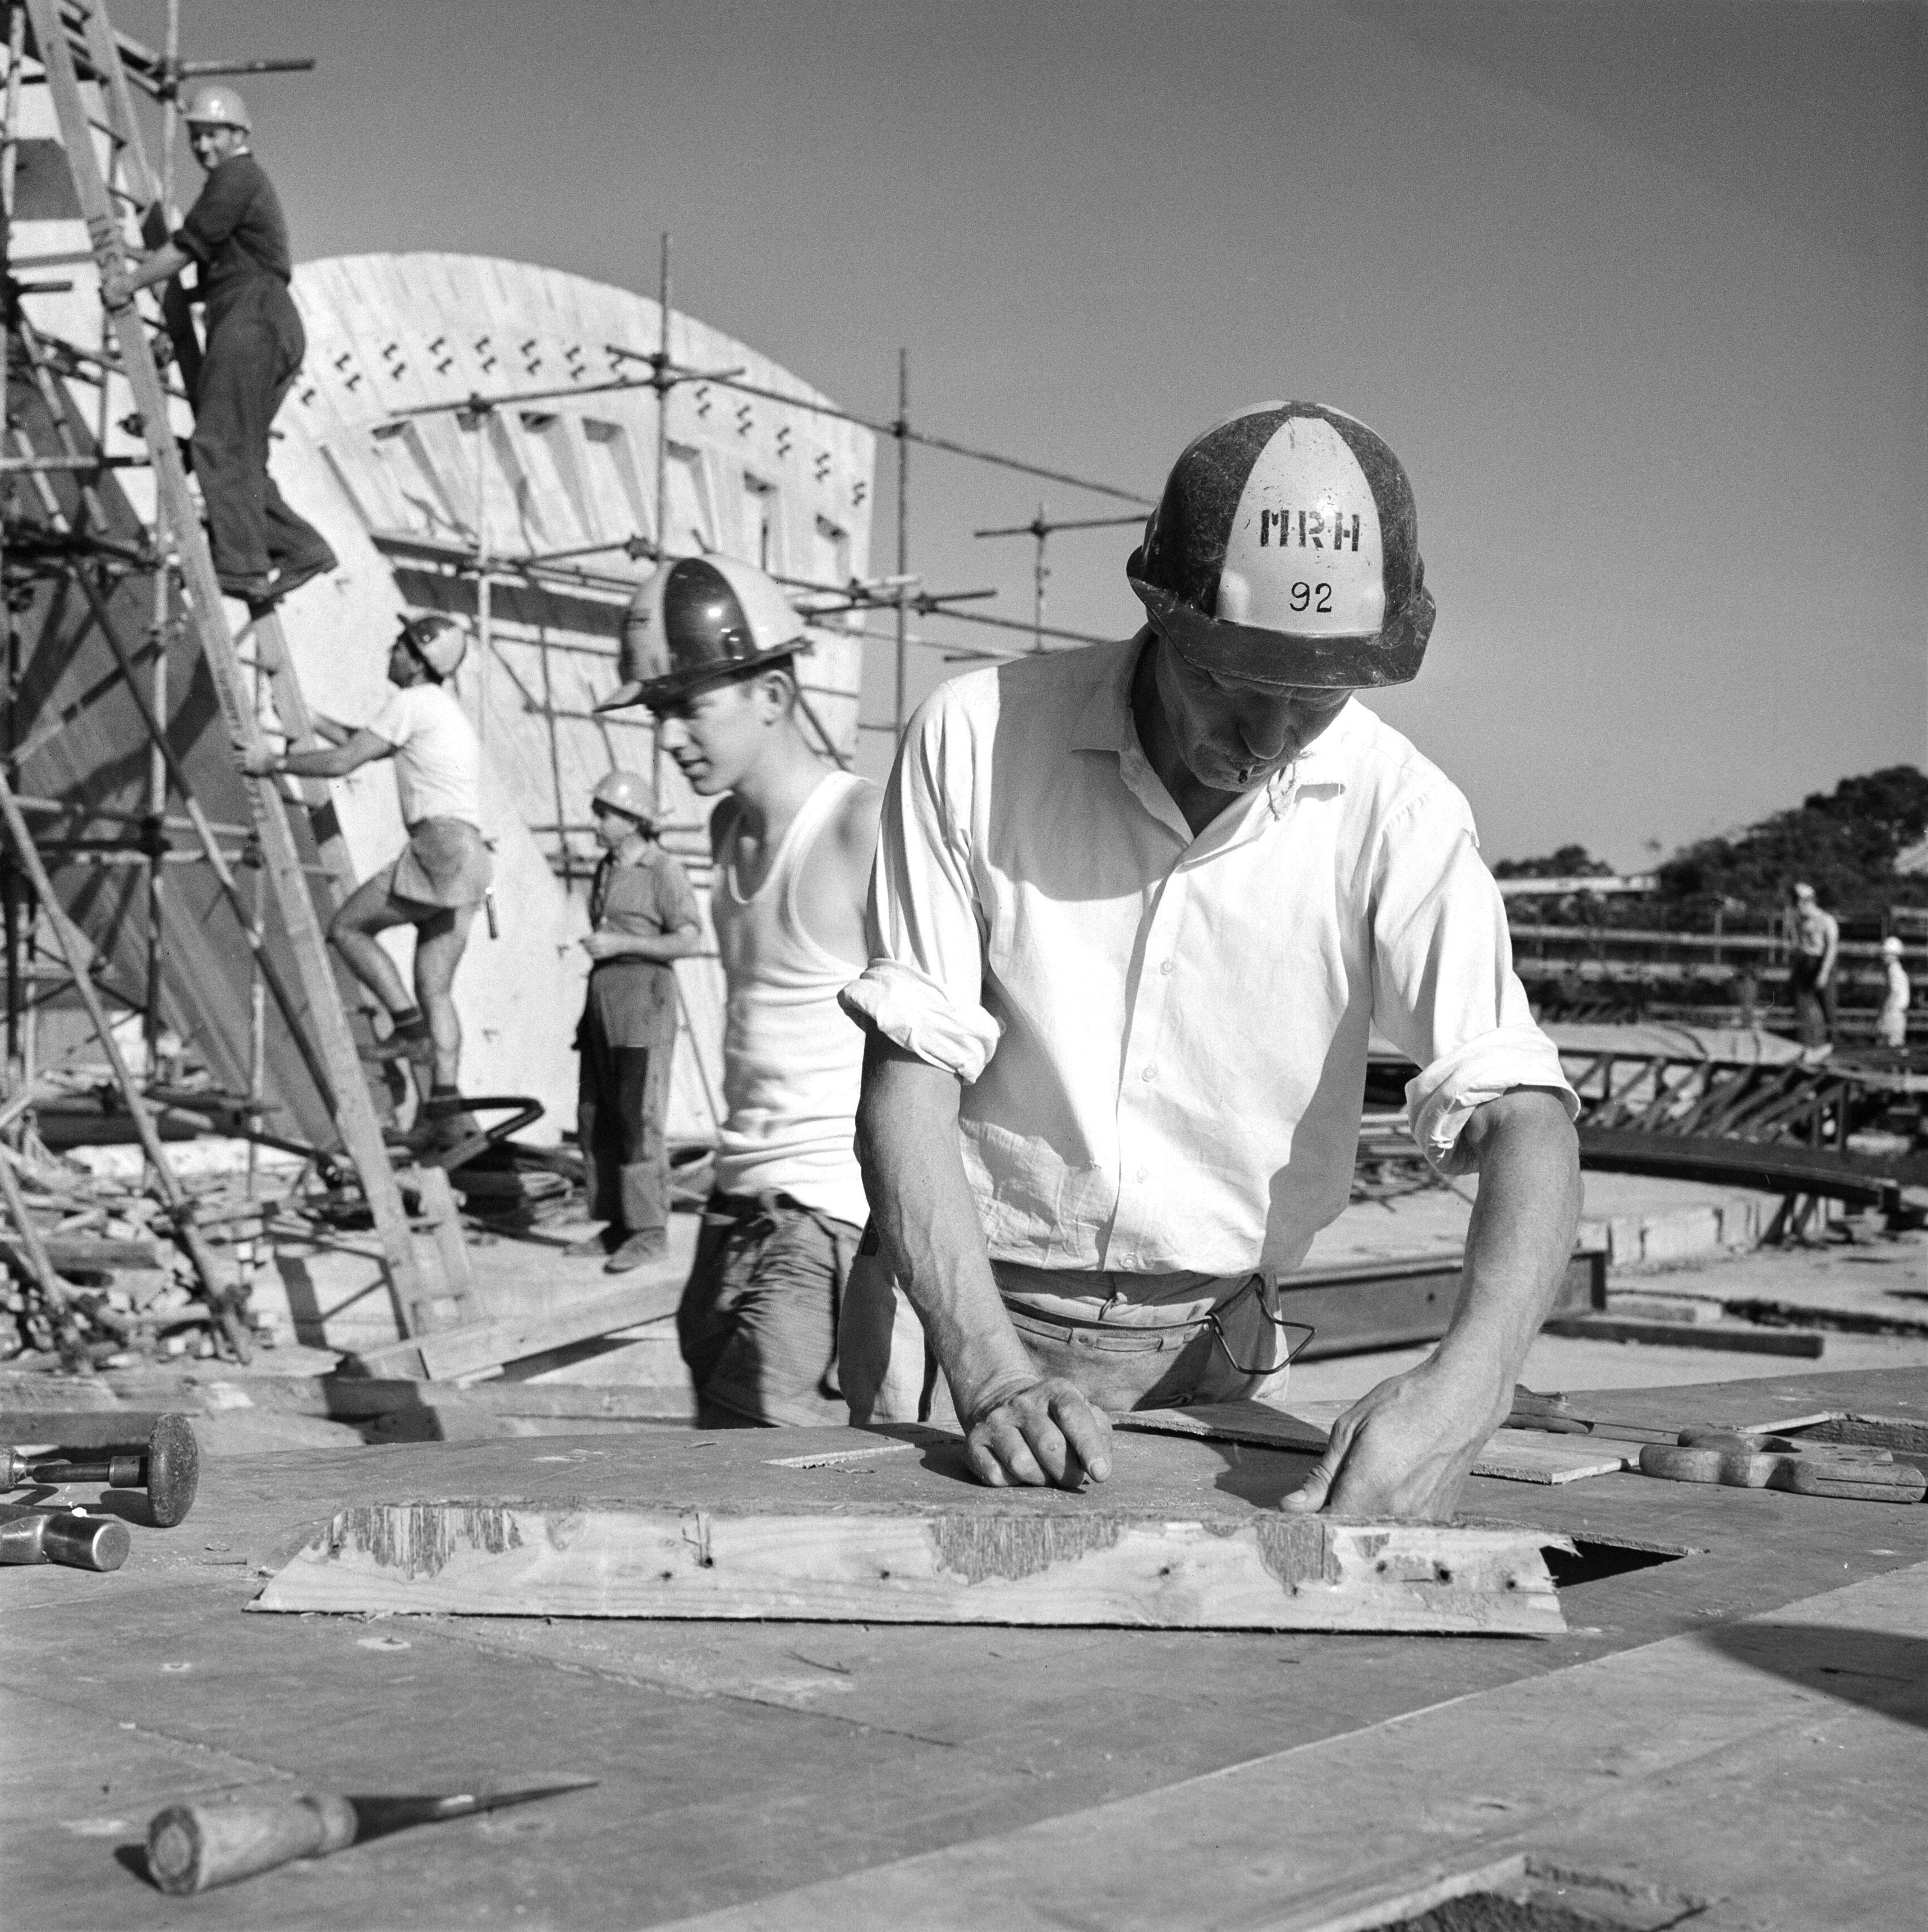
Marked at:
<point>445,863</point>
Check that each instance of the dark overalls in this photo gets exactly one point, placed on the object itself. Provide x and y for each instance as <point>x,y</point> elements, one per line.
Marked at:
<point>627,1042</point>
<point>255,342</point>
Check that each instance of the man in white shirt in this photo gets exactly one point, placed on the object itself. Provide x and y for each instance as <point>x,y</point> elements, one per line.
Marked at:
<point>443,872</point>
<point>1135,910</point>
<point>1891,1022</point>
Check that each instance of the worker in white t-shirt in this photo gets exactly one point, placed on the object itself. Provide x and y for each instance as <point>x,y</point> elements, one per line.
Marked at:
<point>443,872</point>
<point>1891,1022</point>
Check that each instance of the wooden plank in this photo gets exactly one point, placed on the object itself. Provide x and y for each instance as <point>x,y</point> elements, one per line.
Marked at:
<point>1254,1422</point>
<point>476,1346</point>
<point>1739,1337</point>
<point>843,1524</point>
<point>90,1251</point>
<point>1528,1456</point>
<point>1392,1303</point>
<point>1513,1455</point>
<point>1013,1565</point>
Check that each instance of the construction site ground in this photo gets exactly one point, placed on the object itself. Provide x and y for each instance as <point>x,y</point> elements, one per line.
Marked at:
<point>1662,1756</point>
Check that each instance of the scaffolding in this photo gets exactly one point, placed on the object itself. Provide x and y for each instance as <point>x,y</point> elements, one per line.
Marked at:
<point>136,710</point>
<point>142,867</point>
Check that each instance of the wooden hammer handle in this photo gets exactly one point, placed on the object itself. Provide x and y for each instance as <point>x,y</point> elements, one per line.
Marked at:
<point>191,1847</point>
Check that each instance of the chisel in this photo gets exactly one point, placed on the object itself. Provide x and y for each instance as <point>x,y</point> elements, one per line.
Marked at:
<point>191,1847</point>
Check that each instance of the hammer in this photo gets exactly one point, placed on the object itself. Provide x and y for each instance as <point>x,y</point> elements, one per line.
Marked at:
<point>167,1466</point>
<point>71,1536</point>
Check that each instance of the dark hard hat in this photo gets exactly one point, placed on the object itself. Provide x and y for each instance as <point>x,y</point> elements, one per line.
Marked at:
<point>1286,550</point>
<point>697,620</point>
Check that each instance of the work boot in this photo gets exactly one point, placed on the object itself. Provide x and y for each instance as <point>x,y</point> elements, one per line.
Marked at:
<point>257,592</point>
<point>410,1041</point>
<point>651,1244</point>
<point>289,578</point>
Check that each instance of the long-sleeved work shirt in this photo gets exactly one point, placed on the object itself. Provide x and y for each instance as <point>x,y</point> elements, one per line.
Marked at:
<point>1162,1037</point>
<point>236,231</point>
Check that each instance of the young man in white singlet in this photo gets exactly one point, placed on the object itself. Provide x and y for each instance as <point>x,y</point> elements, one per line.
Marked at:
<point>709,647</point>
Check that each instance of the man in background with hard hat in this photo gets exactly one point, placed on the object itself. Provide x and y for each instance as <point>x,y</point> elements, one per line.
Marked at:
<point>1137,909</point>
<point>443,872</point>
<point>1891,1022</point>
<point>711,647</point>
<point>236,233</point>
<point>1814,941</point>
<point>642,916</point>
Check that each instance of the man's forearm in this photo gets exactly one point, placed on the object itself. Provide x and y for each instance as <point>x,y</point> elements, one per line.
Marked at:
<point>927,1221</point>
<point>659,949</point>
<point>1518,1244</point>
<point>330,763</point>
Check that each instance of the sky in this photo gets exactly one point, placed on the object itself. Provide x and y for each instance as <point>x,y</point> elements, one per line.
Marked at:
<point>1637,289</point>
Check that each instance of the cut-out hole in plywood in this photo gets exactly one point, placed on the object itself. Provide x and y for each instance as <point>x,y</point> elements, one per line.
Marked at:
<point>1591,1560</point>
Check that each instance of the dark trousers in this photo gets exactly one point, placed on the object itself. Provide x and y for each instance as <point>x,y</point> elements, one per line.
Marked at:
<point>254,350</point>
<point>1814,1004</point>
<point>621,1096</point>
<point>757,1323</point>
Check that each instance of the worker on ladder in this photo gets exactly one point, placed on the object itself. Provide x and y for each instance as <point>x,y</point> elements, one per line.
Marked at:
<point>642,917</point>
<point>709,646</point>
<point>236,234</point>
<point>442,874</point>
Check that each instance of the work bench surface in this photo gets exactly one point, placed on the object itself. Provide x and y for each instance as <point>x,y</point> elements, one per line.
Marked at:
<point>784,1770</point>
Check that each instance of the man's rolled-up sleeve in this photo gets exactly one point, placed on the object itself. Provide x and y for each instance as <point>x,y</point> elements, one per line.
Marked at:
<point>923,988</point>
<point>1445,991</point>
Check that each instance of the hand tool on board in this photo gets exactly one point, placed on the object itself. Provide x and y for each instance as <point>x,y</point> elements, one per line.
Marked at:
<point>1847,1471</point>
<point>1557,1414</point>
<point>167,1466</point>
<point>70,1537</point>
<point>191,1847</point>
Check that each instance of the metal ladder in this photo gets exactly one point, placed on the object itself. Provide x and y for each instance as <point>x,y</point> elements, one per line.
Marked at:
<point>429,1283</point>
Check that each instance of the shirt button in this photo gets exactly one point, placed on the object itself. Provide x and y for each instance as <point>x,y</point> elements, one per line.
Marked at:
<point>1144,1173</point>
<point>1164,966</point>
<point>1151,1073</point>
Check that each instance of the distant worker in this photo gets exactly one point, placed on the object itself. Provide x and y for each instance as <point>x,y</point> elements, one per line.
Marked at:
<point>642,916</point>
<point>436,883</point>
<point>1891,1022</point>
<point>1814,940</point>
<point>236,232</point>
<point>709,647</point>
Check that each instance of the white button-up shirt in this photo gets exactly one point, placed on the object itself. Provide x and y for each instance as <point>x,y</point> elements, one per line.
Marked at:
<point>1162,1037</point>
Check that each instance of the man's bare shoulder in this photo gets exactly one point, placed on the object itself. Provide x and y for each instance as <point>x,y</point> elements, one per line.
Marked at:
<point>854,827</point>
<point>722,823</point>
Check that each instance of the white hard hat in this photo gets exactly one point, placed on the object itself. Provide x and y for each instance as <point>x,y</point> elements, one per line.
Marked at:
<point>626,792</point>
<point>437,643</point>
<point>1891,947</point>
<point>215,106</point>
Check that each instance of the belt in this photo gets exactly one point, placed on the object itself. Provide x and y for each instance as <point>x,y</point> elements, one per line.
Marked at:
<point>752,1207</point>
<point>1134,1337</point>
